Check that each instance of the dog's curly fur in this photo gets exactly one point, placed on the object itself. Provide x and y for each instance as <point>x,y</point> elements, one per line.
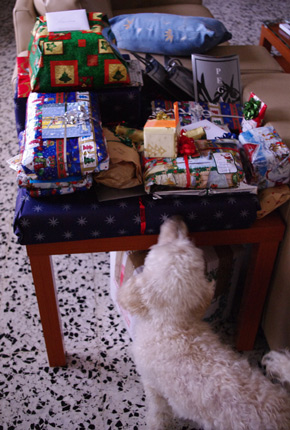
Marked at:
<point>186,371</point>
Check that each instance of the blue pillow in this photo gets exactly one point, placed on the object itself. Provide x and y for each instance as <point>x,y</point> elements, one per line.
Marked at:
<point>168,34</point>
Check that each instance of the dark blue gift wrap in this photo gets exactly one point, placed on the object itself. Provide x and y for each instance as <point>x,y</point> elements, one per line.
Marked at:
<point>81,216</point>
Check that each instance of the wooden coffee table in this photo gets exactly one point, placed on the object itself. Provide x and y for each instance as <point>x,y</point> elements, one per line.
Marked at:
<point>264,235</point>
<point>273,36</point>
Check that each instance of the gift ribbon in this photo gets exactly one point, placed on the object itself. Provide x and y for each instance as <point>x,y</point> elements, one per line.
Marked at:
<point>72,117</point>
<point>187,171</point>
<point>198,112</point>
<point>186,145</point>
<point>142,216</point>
<point>208,114</point>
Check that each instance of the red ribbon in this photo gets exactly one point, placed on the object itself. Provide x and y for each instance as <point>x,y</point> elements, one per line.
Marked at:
<point>186,145</point>
<point>142,216</point>
<point>187,171</point>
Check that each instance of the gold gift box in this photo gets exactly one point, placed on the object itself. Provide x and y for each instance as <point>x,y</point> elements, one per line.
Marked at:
<point>161,136</point>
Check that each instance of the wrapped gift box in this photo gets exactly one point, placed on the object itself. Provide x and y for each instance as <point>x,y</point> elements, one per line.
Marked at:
<point>118,104</point>
<point>218,166</point>
<point>161,136</point>
<point>63,136</point>
<point>23,79</point>
<point>223,265</point>
<point>38,188</point>
<point>229,114</point>
<point>70,61</point>
<point>267,156</point>
<point>222,114</point>
<point>129,216</point>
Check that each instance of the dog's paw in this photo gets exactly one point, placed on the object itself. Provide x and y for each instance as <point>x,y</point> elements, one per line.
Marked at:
<point>161,420</point>
<point>158,424</point>
<point>277,366</point>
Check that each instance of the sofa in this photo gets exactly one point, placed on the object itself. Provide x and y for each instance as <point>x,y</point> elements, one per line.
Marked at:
<point>260,74</point>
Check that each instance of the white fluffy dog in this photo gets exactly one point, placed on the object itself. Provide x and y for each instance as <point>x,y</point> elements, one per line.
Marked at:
<point>186,371</point>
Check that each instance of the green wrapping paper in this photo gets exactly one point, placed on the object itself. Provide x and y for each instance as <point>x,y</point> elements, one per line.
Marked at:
<point>76,60</point>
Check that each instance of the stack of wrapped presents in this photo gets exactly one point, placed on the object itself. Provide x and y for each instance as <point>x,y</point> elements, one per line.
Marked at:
<point>74,80</point>
<point>63,144</point>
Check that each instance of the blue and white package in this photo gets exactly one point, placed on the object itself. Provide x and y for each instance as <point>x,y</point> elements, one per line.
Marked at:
<point>268,156</point>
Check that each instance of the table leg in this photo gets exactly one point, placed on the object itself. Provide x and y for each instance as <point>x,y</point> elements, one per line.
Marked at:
<point>263,39</point>
<point>43,276</point>
<point>258,278</point>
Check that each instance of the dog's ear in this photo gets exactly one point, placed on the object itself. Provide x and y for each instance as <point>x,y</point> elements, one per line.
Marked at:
<point>129,296</point>
<point>172,229</point>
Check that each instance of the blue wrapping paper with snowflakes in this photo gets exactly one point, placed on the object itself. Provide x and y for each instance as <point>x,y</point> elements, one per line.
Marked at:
<point>80,216</point>
<point>63,136</point>
<point>267,157</point>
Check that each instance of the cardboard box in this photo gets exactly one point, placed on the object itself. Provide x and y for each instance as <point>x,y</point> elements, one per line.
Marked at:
<point>124,264</point>
<point>223,265</point>
<point>161,136</point>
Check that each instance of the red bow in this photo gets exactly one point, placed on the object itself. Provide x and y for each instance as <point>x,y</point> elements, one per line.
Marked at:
<point>186,144</point>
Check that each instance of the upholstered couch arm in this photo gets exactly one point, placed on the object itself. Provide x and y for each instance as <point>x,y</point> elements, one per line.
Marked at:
<point>24,16</point>
<point>26,11</point>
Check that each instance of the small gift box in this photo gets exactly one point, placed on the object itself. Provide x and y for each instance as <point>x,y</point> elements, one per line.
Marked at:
<point>267,156</point>
<point>63,136</point>
<point>254,112</point>
<point>188,111</point>
<point>161,136</point>
<point>74,60</point>
<point>38,188</point>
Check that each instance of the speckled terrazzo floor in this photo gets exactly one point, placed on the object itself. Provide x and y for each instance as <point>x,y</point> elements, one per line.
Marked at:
<point>99,388</point>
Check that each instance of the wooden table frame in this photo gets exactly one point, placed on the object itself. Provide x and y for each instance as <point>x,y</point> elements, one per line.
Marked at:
<point>271,38</point>
<point>265,235</point>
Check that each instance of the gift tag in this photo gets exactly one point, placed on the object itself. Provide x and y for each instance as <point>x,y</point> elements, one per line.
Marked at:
<point>15,162</point>
<point>225,162</point>
<point>68,20</point>
<point>58,118</point>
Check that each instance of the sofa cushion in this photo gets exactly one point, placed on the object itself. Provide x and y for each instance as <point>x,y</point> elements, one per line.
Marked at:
<point>43,6</point>
<point>274,90</point>
<point>23,20</point>
<point>167,33</point>
<point>187,9</point>
<point>126,4</point>
<point>253,58</point>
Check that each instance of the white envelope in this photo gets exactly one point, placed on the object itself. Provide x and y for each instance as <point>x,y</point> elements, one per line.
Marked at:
<point>68,20</point>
